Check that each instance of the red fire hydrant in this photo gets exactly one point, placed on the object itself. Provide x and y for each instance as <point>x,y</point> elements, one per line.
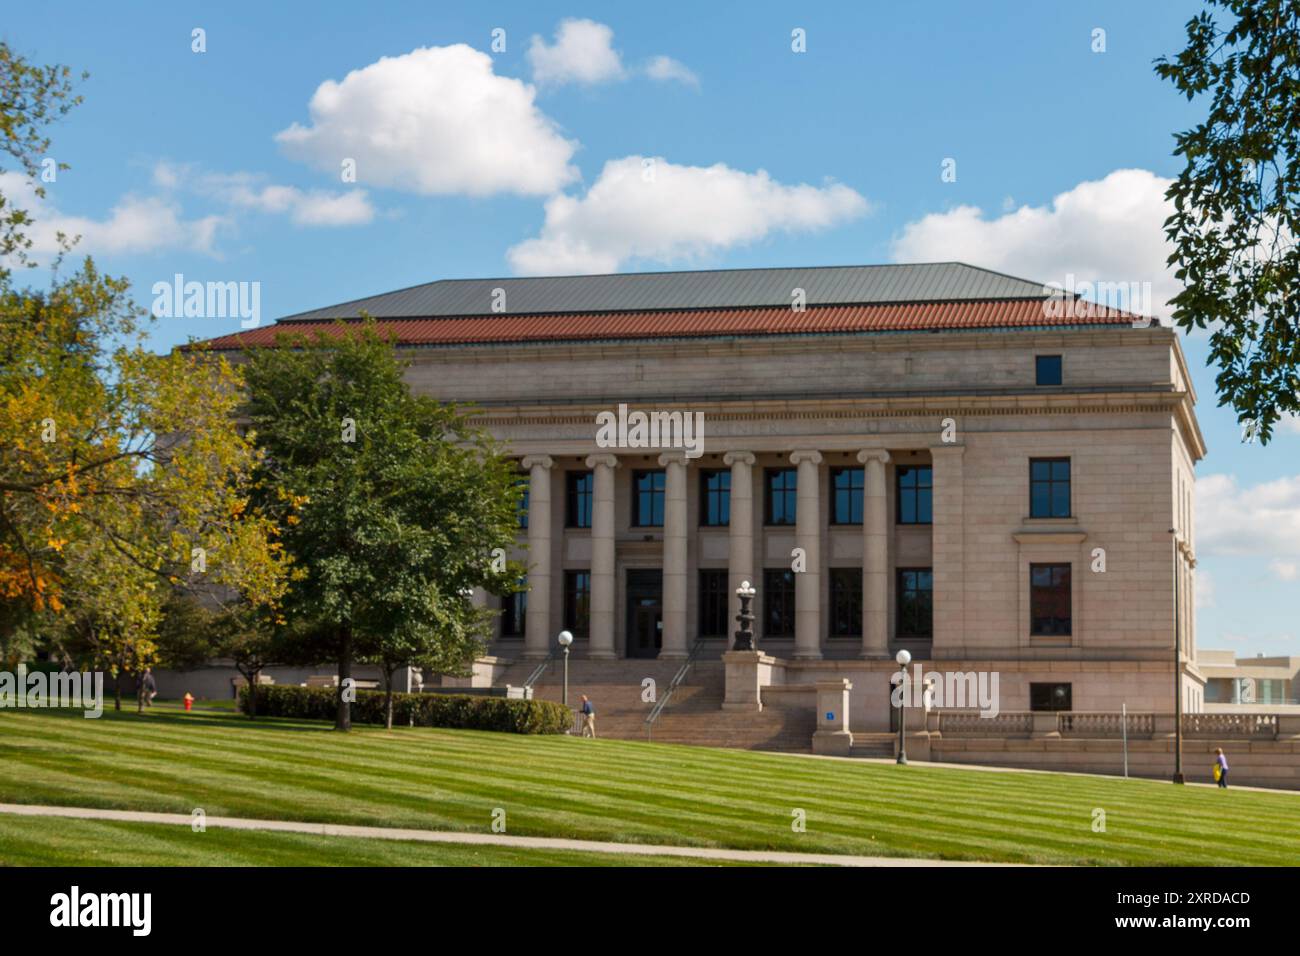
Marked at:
<point>189,700</point>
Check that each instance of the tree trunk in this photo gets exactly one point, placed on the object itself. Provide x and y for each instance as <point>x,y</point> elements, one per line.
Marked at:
<point>388,698</point>
<point>344,719</point>
<point>117,690</point>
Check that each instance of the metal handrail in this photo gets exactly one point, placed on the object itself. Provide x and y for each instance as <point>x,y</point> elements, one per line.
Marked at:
<point>540,669</point>
<point>673,684</point>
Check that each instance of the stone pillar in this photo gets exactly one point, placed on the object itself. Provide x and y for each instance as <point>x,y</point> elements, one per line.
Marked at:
<point>740,533</point>
<point>832,735</point>
<point>537,622</point>
<point>674,641</point>
<point>948,546</point>
<point>875,554</point>
<point>807,583</point>
<point>600,643</point>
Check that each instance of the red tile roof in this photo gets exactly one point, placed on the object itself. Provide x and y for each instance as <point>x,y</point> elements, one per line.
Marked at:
<point>695,323</point>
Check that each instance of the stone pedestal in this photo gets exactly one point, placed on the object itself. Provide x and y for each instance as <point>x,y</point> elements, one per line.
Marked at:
<point>832,735</point>
<point>746,672</point>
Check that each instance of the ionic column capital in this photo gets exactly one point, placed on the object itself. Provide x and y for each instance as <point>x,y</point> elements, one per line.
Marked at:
<point>537,461</point>
<point>809,455</point>
<point>608,461</point>
<point>738,458</point>
<point>873,454</point>
<point>674,457</point>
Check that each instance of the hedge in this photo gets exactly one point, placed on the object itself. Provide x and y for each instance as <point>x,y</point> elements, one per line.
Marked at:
<point>457,711</point>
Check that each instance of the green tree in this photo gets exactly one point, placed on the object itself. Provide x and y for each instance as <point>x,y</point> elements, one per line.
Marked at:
<point>1237,202</point>
<point>392,505</point>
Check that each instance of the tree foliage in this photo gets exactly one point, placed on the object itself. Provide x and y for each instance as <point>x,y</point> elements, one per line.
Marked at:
<point>1237,201</point>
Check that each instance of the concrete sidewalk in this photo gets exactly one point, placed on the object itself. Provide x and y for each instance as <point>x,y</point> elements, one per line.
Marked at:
<point>481,839</point>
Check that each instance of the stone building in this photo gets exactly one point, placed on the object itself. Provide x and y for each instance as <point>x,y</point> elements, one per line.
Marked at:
<point>933,457</point>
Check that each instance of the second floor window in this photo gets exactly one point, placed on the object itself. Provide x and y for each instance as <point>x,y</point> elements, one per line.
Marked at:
<point>715,498</point>
<point>648,499</point>
<point>846,495</point>
<point>778,602</point>
<point>782,485</point>
<point>1049,487</point>
<point>577,499</point>
<point>577,602</point>
<point>1049,600</point>
<point>915,494</point>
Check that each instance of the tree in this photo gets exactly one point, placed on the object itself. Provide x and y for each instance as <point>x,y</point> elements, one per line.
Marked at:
<point>400,503</point>
<point>1237,202</point>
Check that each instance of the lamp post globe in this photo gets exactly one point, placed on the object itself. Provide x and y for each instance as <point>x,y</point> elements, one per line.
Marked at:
<point>565,640</point>
<point>904,658</point>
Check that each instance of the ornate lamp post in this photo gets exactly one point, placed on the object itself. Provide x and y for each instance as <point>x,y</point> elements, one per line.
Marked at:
<point>565,640</point>
<point>745,636</point>
<point>903,658</point>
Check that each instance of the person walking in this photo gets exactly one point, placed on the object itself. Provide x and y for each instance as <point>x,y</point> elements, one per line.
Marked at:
<point>1221,767</point>
<point>588,718</point>
<point>150,687</point>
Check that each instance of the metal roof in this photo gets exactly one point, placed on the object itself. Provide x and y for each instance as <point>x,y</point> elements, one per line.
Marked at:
<point>716,289</point>
<point>699,323</point>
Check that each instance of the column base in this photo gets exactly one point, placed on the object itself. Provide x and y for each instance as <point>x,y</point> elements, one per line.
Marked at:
<point>601,656</point>
<point>672,656</point>
<point>533,655</point>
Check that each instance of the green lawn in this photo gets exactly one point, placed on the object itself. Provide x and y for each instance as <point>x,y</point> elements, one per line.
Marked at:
<point>618,790</point>
<point>36,841</point>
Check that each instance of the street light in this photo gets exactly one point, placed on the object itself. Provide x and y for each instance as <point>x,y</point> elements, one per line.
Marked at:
<point>745,636</point>
<point>903,658</point>
<point>565,640</point>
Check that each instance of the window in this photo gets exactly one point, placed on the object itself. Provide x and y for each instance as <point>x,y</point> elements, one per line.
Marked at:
<point>577,499</point>
<point>1049,487</point>
<point>915,604</point>
<point>514,612</point>
<point>778,602</point>
<point>915,493</point>
<point>577,602</point>
<point>782,484</point>
<point>714,598</point>
<point>1049,599</point>
<point>1047,369</point>
<point>846,495</point>
<point>715,499</point>
<point>648,499</point>
<point>846,602</point>
<point>522,503</point>
<point>1051,697</point>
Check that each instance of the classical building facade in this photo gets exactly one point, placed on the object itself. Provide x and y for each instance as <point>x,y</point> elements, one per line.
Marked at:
<point>932,457</point>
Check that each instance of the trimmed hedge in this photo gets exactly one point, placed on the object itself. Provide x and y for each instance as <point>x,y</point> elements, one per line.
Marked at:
<point>456,711</point>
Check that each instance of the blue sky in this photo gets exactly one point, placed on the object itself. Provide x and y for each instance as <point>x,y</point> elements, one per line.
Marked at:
<point>181,163</point>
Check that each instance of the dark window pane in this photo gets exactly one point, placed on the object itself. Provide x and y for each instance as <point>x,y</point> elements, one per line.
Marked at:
<point>914,488</point>
<point>715,498</point>
<point>714,603</point>
<point>577,498</point>
<point>1049,600</point>
<point>1049,488</point>
<point>846,602</point>
<point>648,503</point>
<point>778,603</point>
<point>1047,369</point>
<point>782,486</point>
<point>915,603</point>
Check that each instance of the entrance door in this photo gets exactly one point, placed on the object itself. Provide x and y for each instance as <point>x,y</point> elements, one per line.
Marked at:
<point>645,613</point>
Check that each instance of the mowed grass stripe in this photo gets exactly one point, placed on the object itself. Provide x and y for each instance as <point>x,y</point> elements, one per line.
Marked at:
<point>626,791</point>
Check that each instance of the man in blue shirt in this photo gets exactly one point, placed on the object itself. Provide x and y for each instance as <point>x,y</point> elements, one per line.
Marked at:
<point>588,718</point>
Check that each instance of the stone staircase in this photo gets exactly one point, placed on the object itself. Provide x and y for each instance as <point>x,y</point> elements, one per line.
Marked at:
<point>874,745</point>
<point>694,715</point>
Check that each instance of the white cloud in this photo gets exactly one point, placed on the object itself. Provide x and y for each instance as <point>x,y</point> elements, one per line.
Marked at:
<point>1285,570</point>
<point>1261,521</point>
<point>242,190</point>
<point>666,69</point>
<point>136,224</point>
<point>1108,230</point>
<point>434,121</point>
<point>650,209</point>
<point>582,53</point>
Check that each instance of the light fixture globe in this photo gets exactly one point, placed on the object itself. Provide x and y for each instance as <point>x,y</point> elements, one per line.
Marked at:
<point>903,657</point>
<point>565,638</point>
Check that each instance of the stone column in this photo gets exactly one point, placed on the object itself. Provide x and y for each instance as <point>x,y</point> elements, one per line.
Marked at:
<point>875,554</point>
<point>674,634</point>
<point>600,643</point>
<point>948,545</point>
<point>740,533</point>
<point>537,622</point>
<point>807,583</point>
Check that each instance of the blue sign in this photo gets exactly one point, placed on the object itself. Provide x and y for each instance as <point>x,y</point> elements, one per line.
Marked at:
<point>830,715</point>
